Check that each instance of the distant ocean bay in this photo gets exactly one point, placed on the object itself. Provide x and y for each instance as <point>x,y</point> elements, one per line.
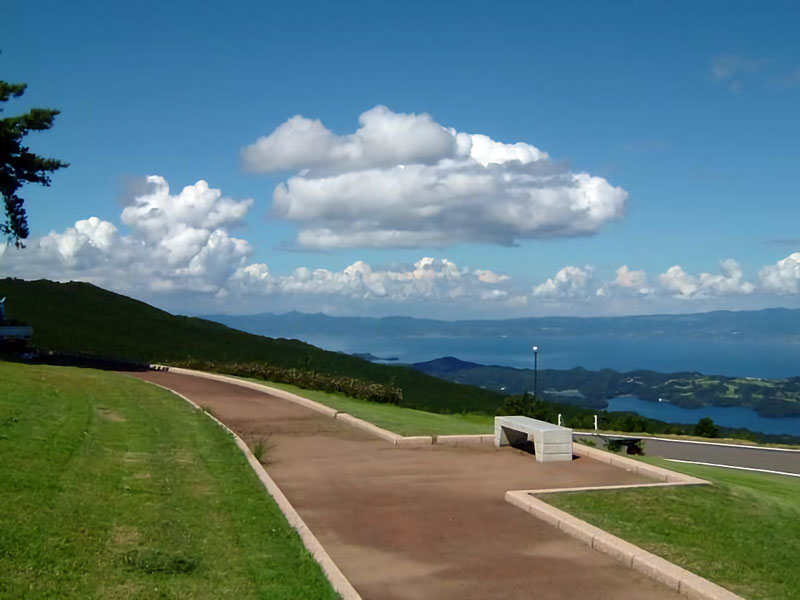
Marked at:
<point>727,416</point>
<point>732,358</point>
<point>741,359</point>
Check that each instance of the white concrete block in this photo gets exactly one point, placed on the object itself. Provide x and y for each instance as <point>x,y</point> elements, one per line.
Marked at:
<point>554,457</point>
<point>555,436</point>
<point>414,440</point>
<point>464,440</point>
<point>544,448</point>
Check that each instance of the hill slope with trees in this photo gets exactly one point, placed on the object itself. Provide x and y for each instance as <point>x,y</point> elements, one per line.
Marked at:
<point>581,387</point>
<point>83,318</point>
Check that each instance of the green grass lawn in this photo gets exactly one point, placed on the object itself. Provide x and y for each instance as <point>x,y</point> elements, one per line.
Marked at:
<point>742,533</point>
<point>405,421</point>
<point>113,488</point>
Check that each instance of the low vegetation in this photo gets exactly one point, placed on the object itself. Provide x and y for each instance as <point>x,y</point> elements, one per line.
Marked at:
<point>114,488</point>
<point>743,532</point>
<point>309,380</point>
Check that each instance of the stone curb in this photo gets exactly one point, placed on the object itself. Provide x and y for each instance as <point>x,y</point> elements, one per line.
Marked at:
<point>334,575</point>
<point>411,441</point>
<point>640,468</point>
<point>384,434</point>
<point>465,440</point>
<point>598,488</point>
<point>677,578</point>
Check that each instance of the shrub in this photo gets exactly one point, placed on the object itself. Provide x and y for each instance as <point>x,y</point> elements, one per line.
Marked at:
<point>706,428</point>
<point>306,379</point>
<point>614,445</point>
<point>636,447</point>
<point>259,449</point>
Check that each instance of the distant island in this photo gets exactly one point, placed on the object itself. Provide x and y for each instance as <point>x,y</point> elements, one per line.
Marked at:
<point>592,389</point>
<point>372,358</point>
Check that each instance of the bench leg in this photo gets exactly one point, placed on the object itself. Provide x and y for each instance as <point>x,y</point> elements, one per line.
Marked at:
<point>503,436</point>
<point>500,437</point>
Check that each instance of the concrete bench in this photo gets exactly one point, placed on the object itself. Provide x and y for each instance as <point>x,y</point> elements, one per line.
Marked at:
<point>550,442</point>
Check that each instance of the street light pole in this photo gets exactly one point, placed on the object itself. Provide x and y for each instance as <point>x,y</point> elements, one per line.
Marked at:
<point>536,372</point>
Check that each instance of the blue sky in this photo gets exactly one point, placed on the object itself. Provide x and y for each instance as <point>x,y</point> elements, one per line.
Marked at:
<point>689,109</point>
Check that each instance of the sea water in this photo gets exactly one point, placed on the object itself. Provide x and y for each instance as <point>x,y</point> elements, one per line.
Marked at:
<point>726,416</point>
<point>711,357</point>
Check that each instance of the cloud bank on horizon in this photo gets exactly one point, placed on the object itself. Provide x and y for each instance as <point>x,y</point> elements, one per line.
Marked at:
<point>403,180</point>
<point>183,244</point>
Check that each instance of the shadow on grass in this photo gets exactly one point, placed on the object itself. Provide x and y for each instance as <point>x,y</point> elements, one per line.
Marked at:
<point>64,359</point>
<point>150,560</point>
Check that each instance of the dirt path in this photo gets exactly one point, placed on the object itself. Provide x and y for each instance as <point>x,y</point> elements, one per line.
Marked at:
<point>421,522</point>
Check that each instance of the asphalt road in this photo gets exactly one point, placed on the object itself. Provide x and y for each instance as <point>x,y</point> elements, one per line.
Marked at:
<point>770,459</point>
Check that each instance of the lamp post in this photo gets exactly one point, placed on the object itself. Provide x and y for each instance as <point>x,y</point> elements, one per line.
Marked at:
<point>536,372</point>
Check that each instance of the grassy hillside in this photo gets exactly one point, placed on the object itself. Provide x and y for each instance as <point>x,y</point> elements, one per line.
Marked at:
<point>114,488</point>
<point>80,317</point>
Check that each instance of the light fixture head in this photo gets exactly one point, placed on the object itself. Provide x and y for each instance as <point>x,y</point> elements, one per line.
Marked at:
<point>536,348</point>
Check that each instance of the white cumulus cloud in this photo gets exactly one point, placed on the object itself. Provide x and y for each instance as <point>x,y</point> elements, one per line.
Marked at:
<point>628,278</point>
<point>569,283</point>
<point>730,282</point>
<point>181,244</point>
<point>403,180</point>
<point>384,139</point>
<point>679,282</point>
<point>628,282</point>
<point>176,242</point>
<point>427,279</point>
<point>487,276</point>
<point>783,277</point>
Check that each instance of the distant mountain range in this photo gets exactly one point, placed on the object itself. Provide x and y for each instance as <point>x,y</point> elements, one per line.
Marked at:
<point>774,324</point>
